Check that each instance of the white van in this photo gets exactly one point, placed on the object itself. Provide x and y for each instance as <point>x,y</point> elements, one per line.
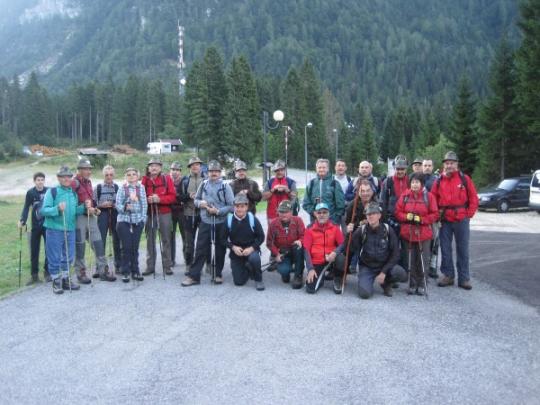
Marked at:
<point>534,196</point>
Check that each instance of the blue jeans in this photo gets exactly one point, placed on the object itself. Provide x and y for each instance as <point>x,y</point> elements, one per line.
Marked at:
<point>292,262</point>
<point>460,231</point>
<point>55,249</point>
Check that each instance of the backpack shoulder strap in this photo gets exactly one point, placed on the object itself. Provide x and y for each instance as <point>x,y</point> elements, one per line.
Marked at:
<point>98,191</point>
<point>54,192</point>
<point>115,187</point>
<point>386,227</point>
<point>251,218</point>
<point>289,182</point>
<point>229,221</point>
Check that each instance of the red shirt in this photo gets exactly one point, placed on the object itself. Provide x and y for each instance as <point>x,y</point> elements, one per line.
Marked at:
<point>280,237</point>
<point>83,189</point>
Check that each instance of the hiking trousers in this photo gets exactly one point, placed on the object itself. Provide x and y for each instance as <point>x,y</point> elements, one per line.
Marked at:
<point>367,275</point>
<point>204,248</point>
<point>35,244</point>
<point>416,274</point>
<point>106,221</point>
<point>87,228</point>
<point>55,249</point>
<point>165,225</point>
<point>245,267</point>
<point>130,237</point>
<point>460,231</point>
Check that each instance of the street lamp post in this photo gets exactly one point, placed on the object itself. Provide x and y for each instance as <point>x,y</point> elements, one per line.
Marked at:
<point>308,125</point>
<point>336,134</point>
<point>278,117</point>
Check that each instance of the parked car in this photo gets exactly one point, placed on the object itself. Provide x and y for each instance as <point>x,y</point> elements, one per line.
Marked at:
<point>534,196</point>
<point>509,193</point>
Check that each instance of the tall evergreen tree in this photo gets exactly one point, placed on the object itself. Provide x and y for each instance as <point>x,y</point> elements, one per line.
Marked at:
<point>528,71</point>
<point>462,128</point>
<point>368,146</point>
<point>35,124</point>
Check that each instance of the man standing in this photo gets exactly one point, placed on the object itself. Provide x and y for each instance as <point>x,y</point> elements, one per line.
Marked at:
<point>60,209</point>
<point>245,236</point>
<point>284,240</point>
<point>189,186</point>
<point>87,226</point>
<point>427,169</point>
<point>324,189</point>
<point>417,165</point>
<point>277,189</point>
<point>215,200</point>
<point>160,194</point>
<point>392,189</point>
<point>457,200</point>
<point>377,247</point>
<point>243,185</point>
<point>177,210</point>
<point>105,197</point>
<point>341,175</point>
<point>323,242</point>
<point>365,172</point>
<point>34,198</point>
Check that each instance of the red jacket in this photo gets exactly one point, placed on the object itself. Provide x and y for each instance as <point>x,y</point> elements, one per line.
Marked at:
<point>320,240</point>
<point>163,187</point>
<point>456,200</point>
<point>277,237</point>
<point>416,204</point>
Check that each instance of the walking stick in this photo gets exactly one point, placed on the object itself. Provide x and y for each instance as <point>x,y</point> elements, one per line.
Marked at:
<point>20,254</point>
<point>91,248</point>
<point>111,239</point>
<point>421,249</point>
<point>349,240</point>
<point>160,243</point>
<point>213,251</point>
<point>68,262</point>
<point>409,244</point>
<point>321,276</point>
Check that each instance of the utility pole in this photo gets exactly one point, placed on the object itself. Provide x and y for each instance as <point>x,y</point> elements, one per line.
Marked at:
<point>181,65</point>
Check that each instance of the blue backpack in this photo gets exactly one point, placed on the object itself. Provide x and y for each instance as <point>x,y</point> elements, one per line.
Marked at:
<point>251,218</point>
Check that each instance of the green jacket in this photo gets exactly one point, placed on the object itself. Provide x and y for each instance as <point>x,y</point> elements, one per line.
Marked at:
<point>53,217</point>
<point>327,190</point>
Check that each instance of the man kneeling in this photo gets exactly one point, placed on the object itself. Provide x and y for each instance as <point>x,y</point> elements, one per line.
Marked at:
<point>323,242</point>
<point>245,236</point>
<point>378,249</point>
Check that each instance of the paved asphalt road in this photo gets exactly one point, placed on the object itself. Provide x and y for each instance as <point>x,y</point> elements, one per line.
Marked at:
<point>160,343</point>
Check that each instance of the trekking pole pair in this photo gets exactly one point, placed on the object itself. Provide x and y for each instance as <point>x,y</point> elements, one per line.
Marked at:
<point>68,262</point>
<point>154,210</point>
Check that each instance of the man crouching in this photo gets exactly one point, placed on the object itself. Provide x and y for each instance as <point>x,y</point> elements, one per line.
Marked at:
<point>245,236</point>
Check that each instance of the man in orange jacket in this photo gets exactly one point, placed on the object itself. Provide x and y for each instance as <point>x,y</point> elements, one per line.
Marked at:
<point>457,201</point>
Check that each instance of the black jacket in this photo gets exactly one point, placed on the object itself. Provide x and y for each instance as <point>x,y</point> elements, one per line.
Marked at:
<point>34,199</point>
<point>379,247</point>
<point>242,235</point>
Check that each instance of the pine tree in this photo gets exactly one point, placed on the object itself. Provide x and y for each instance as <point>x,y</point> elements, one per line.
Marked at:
<point>462,127</point>
<point>242,124</point>
<point>528,71</point>
<point>368,146</point>
<point>35,124</point>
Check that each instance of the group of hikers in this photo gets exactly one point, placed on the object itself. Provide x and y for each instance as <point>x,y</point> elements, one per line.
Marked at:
<point>384,231</point>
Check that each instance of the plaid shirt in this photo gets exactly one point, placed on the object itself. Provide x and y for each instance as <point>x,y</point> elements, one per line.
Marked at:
<point>139,209</point>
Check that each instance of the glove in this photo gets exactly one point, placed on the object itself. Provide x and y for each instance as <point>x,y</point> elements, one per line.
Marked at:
<point>410,216</point>
<point>417,219</point>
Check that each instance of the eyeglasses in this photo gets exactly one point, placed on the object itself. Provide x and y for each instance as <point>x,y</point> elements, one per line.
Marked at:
<point>323,213</point>
<point>176,170</point>
<point>131,174</point>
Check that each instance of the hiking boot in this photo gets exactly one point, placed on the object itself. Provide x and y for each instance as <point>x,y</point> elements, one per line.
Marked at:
<point>95,274</point>
<point>337,285</point>
<point>47,277</point>
<point>105,276</point>
<point>411,291</point>
<point>387,290</point>
<point>285,278</point>
<point>259,285</point>
<point>66,282</point>
<point>117,270</point>
<point>137,277</point>
<point>298,282</point>
<point>125,278</point>
<point>188,282</point>
<point>83,278</point>
<point>466,285</point>
<point>57,286</point>
<point>446,282</point>
<point>395,285</point>
<point>420,291</point>
<point>218,280</point>
<point>34,280</point>
<point>147,272</point>
<point>433,273</point>
<point>169,272</point>
<point>352,270</point>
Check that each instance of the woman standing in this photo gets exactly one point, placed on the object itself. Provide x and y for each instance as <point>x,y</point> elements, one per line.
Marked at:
<point>132,212</point>
<point>416,210</point>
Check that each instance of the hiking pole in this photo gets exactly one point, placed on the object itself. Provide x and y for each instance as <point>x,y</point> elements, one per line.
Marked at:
<point>409,249</point>
<point>109,233</point>
<point>421,249</point>
<point>20,254</point>
<point>91,248</point>
<point>434,253</point>
<point>265,266</point>
<point>349,240</point>
<point>160,242</point>
<point>321,276</point>
<point>67,251</point>
<point>213,251</point>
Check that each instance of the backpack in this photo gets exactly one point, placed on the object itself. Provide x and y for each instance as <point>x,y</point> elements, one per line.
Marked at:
<point>295,205</point>
<point>37,205</point>
<point>364,232</point>
<point>251,218</point>
<point>54,192</point>
<point>126,191</point>
<point>98,190</point>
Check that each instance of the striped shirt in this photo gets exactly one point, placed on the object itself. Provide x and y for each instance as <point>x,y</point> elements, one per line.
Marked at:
<point>138,212</point>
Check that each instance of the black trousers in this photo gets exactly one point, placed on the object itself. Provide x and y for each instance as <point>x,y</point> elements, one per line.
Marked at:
<point>190,224</point>
<point>35,243</point>
<point>244,267</point>
<point>204,248</point>
<point>336,269</point>
<point>177,222</point>
<point>130,237</point>
<point>106,220</point>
